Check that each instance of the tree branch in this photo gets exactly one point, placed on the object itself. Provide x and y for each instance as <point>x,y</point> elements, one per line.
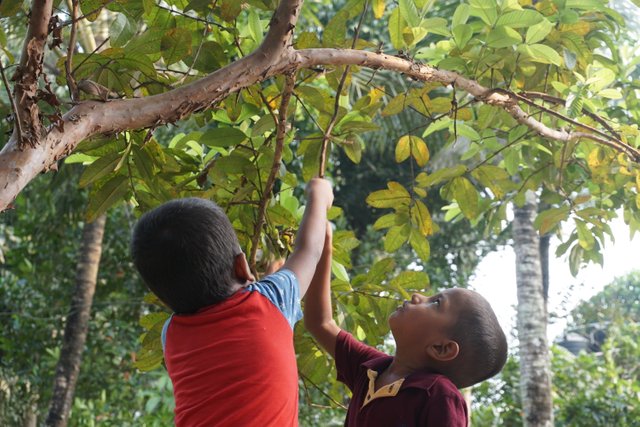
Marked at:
<point>68,64</point>
<point>28,73</point>
<point>24,157</point>
<point>281,131</point>
<point>336,106</point>
<point>14,107</point>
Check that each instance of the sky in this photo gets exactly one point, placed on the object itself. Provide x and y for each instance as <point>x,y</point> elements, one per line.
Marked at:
<point>495,279</point>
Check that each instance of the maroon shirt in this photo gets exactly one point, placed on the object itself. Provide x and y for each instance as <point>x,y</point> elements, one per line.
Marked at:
<point>424,398</point>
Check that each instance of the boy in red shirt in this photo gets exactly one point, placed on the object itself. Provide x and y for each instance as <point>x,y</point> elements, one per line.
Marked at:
<point>448,341</point>
<point>228,347</point>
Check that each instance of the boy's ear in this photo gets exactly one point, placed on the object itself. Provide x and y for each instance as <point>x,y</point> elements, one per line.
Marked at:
<point>445,351</point>
<point>241,269</point>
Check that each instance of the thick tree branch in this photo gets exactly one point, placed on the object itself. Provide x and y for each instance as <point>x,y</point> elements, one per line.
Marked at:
<point>28,73</point>
<point>313,57</point>
<point>275,56</point>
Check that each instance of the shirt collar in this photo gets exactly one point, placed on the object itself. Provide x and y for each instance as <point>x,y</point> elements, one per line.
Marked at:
<point>423,380</point>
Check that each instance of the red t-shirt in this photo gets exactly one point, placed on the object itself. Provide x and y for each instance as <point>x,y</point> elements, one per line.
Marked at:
<point>423,399</point>
<point>233,363</point>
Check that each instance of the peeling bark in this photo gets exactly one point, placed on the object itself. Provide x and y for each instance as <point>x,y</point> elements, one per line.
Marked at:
<point>75,331</point>
<point>535,365</point>
<point>19,164</point>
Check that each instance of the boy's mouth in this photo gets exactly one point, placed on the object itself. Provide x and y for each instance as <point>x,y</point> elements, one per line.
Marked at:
<point>403,306</point>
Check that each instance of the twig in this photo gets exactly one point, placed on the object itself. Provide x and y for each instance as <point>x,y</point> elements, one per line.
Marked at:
<point>68,63</point>
<point>90,55</point>
<point>610,140</point>
<point>336,106</point>
<point>324,393</point>
<point>275,166</point>
<point>13,103</point>
<point>195,18</point>
<point>560,101</point>
<point>195,58</point>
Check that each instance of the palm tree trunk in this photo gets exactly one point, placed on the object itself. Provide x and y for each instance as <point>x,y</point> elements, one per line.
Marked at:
<point>75,332</point>
<point>535,370</point>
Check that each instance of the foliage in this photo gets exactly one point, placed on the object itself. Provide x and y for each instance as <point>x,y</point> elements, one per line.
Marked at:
<point>558,60</point>
<point>40,241</point>
<point>590,389</point>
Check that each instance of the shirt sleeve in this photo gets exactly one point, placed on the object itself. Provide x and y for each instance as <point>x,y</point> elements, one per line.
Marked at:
<point>283,290</point>
<point>447,410</point>
<point>350,355</point>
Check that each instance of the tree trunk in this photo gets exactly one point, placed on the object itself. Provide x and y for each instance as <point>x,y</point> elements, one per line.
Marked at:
<point>535,370</point>
<point>75,332</point>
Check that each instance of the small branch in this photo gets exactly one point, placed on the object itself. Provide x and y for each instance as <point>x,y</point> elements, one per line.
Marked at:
<point>16,115</point>
<point>560,101</point>
<point>317,387</point>
<point>275,166</point>
<point>195,18</point>
<point>336,106</point>
<point>68,64</point>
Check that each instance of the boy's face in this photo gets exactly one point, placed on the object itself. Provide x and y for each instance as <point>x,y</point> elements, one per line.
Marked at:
<point>426,321</point>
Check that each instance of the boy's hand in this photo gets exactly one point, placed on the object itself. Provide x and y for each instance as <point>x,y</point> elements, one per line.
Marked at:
<point>319,191</point>
<point>310,238</point>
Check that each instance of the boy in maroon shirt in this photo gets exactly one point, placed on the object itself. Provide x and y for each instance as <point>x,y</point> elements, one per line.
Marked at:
<point>444,342</point>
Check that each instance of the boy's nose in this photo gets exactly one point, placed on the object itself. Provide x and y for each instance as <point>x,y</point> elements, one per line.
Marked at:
<point>416,299</point>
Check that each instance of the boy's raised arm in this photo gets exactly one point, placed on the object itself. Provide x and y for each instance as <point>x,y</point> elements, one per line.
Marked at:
<point>318,313</point>
<point>308,246</point>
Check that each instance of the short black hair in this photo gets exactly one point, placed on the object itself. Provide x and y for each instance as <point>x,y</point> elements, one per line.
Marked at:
<point>185,251</point>
<point>482,342</point>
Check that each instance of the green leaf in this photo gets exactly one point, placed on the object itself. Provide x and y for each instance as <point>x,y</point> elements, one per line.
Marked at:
<point>585,237</point>
<point>466,195</point>
<point>106,196</point>
<point>339,270</point>
<point>462,34</point>
<point>460,16</point>
<point>175,45</point>
<point>520,18</point>
<point>394,197</point>
<point>538,32</point>
<point>500,37</point>
<point>396,28</point>
<point>494,178</point>
<point>421,246</point>
<point>396,237</point>
<point>410,281</point>
<point>122,30</point>
<point>385,221</point>
<point>223,137</point>
<point>485,10</point>
<point>353,148</point>
<point>255,26</point>
<point>438,26</point>
<point>436,126</point>
<point>540,53</point>
<point>440,175</point>
<point>549,219</point>
<point>102,167</point>
<point>409,12</point>
<point>334,34</point>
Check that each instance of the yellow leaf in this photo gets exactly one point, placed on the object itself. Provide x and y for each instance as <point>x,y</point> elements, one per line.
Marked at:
<point>419,151</point>
<point>378,8</point>
<point>422,218</point>
<point>403,148</point>
<point>464,114</point>
<point>581,28</point>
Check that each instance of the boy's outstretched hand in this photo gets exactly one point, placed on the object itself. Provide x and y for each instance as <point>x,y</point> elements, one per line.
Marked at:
<point>319,191</point>
<point>318,312</point>
<point>310,237</point>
